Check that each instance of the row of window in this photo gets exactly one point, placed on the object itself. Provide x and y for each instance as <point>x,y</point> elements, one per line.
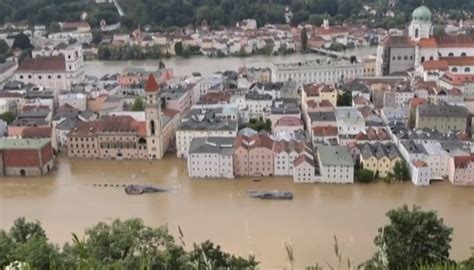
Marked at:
<point>405,58</point>
<point>39,77</point>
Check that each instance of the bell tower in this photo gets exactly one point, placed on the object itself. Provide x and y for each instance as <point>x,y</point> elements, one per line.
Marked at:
<point>154,139</point>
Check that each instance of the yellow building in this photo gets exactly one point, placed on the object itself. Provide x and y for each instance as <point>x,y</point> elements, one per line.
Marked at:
<point>379,158</point>
<point>318,93</point>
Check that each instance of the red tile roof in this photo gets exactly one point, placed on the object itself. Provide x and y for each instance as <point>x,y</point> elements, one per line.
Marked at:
<point>151,84</point>
<point>435,65</point>
<point>461,41</point>
<point>50,63</point>
<point>170,113</point>
<point>428,43</point>
<point>303,159</point>
<point>325,131</point>
<point>462,162</point>
<point>417,101</point>
<point>36,132</point>
<point>460,61</point>
<point>312,90</point>
<point>289,121</point>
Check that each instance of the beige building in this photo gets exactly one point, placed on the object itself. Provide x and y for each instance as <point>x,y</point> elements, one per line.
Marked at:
<point>379,158</point>
<point>122,137</point>
<point>443,118</point>
<point>318,93</point>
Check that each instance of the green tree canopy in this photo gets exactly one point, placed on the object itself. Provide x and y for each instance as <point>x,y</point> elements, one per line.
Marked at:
<point>400,171</point>
<point>138,105</point>
<point>412,237</point>
<point>22,42</point>
<point>364,175</point>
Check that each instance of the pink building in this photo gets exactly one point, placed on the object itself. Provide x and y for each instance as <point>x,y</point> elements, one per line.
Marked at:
<point>461,171</point>
<point>133,76</point>
<point>253,155</point>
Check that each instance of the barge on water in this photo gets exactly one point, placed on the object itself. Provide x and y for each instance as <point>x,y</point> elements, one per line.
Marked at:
<point>140,189</point>
<point>270,195</point>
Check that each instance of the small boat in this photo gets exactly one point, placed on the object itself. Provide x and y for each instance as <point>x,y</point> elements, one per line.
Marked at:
<point>271,195</point>
<point>140,189</point>
<point>257,179</point>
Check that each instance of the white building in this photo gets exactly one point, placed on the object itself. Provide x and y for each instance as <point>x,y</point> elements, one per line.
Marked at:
<point>349,121</point>
<point>211,157</point>
<point>76,100</point>
<point>305,170</point>
<point>320,71</point>
<point>336,164</point>
<point>259,105</point>
<point>285,153</point>
<point>200,124</point>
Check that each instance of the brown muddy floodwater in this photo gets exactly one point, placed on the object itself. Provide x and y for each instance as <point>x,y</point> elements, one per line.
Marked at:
<point>66,201</point>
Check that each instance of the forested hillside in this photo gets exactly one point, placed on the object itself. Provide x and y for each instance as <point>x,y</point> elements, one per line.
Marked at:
<point>168,13</point>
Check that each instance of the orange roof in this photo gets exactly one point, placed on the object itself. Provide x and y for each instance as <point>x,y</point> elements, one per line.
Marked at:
<point>417,101</point>
<point>151,84</point>
<point>428,43</point>
<point>420,163</point>
<point>141,128</point>
<point>458,79</point>
<point>315,89</point>
<point>303,159</point>
<point>325,131</point>
<point>455,92</point>
<point>459,61</point>
<point>435,65</point>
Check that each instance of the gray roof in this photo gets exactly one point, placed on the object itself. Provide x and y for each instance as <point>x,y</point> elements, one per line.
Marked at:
<point>379,150</point>
<point>322,116</point>
<point>444,110</point>
<point>335,156</point>
<point>285,108</point>
<point>172,93</point>
<point>212,145</point>
<point>254,95</point>
<point>206,120</point>
<point>413,148</point>
<point>67,124</point>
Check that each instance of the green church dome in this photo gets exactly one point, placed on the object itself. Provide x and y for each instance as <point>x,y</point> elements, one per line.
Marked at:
<point>422,13</point>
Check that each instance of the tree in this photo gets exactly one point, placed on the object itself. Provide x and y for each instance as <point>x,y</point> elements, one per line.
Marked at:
<point>364,175</point>
<point>96,36</point>
<point>138,105</point>
<point>413,237</point>
<point>304,39</point>
<point>400,171</point>
<point>22,42</point>
<point>161,65</point>
<point>178,48</point>
<point>4,48</point>
<point>316,19</point>
<point>345,99</point>
<point>23,231</point>
<point>439,31</point>
<point>268,125</point>
<point>54,27</point>
<point>8,117</point>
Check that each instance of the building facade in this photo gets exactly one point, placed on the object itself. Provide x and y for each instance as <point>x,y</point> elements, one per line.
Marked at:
<point>25,157</point>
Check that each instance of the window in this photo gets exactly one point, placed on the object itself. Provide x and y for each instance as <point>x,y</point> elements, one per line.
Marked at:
<point>417,32</point>
<point>467,70</point>
<point>454,69</point>
<point>59,76</point>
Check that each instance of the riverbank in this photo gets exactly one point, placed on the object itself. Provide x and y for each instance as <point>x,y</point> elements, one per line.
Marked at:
<point>66,201</point>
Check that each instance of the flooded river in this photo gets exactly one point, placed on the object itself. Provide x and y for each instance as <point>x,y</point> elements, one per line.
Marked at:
<point>66,201</point>
<point>206,65</point>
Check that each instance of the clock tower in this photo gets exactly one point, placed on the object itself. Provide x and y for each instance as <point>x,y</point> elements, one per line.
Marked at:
<point>154,140</point>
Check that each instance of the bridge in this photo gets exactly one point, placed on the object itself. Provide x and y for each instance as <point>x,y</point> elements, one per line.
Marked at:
<point>329,53</point>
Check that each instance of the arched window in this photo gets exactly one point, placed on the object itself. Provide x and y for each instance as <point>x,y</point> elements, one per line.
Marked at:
<point>422,59</point>
<point>417,32</point>
<point>463,54</point>
<point>454,70</point>
<point>451,54</point>
<point>467,70</point>
<point>152,127</point>
<point>431,58</point>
